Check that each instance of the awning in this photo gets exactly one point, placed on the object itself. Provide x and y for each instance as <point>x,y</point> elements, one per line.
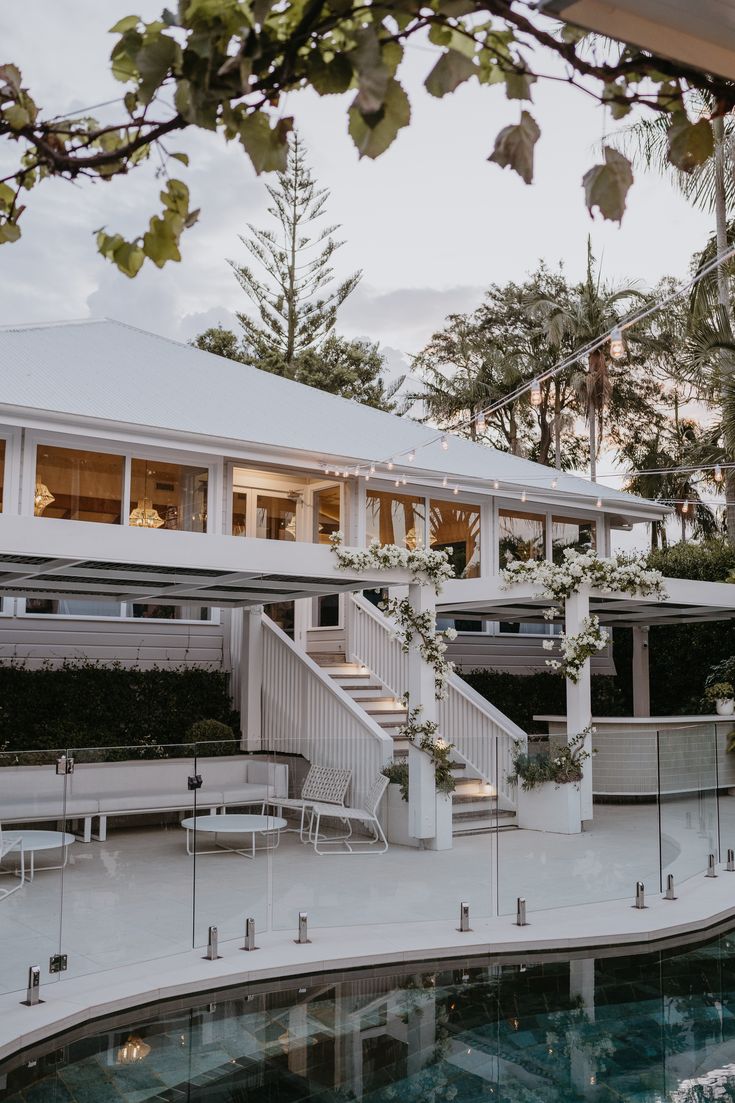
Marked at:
<point>51,558</point>
<point>685,601</point>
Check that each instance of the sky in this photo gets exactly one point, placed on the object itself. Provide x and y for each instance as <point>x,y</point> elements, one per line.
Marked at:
<point>430,224</point>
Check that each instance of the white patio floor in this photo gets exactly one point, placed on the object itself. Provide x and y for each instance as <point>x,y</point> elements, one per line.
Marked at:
<point>138,896</point>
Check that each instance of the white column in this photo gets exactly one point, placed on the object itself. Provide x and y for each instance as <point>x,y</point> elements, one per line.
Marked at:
<point>641,678</point>
<point>579,701</point>
<point>251,677</point>
<point>421,781</point>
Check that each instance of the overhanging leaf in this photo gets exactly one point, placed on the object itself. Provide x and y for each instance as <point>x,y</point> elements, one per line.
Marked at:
<point>606,186</point>
<point>451,70</point>
<point>266,146</point>
<point>372,72</point>
<point>514,146</point>
<point>374,133</point>
<point>690,144</point>
<point>518,85</point>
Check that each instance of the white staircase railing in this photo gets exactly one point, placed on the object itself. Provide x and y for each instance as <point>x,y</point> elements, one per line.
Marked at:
<point>305,712</point>
<point>483,736</point>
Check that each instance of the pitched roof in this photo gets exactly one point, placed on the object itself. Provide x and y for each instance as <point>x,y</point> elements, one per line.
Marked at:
<point>111,371</point>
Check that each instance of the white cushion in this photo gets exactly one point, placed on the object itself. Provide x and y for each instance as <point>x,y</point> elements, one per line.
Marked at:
<point>39,808</point>
<point>126,802</point>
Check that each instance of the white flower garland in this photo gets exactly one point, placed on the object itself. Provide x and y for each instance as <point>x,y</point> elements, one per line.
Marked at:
<point>425,566</point>
<point>626,574</point>
<point>576,649</point>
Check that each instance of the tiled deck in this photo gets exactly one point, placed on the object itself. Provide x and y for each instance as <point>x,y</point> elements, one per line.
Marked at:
<point>139,897</point>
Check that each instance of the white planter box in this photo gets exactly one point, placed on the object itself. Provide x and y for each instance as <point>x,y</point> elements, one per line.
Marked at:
<point>443,838</point>
<point>550,808</point>
<point>397,831</point>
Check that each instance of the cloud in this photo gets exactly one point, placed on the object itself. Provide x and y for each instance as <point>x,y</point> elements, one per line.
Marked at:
<point>404,318</point>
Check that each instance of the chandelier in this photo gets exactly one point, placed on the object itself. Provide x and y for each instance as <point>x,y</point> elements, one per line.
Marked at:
<point>42,498</point>
<point>135,1049</point>
<point>144,516</point>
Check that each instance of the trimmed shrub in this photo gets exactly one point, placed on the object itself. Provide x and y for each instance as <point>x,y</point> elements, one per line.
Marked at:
<point>87,705</point>
<point>523,696</point>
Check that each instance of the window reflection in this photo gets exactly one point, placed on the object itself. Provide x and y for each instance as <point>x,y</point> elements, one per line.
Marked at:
<point>239,513</point>
<point>73,607</point>
<point>168,496</point>
<point>326,514</point>
<point>566,532</point>
<point>455,528</point>
<point>276,518</point>
<point>521,536</point>
<point>395,519</point>
<point>78,485</point>
<point>153,611</point>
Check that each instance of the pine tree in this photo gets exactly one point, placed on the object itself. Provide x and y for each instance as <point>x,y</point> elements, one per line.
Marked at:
<point>297,301</point>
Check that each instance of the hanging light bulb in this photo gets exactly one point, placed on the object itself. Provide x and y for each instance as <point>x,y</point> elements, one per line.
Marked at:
<point>617,345</point>
<point>444,443</point>
<point>480,423</point>
<point>398,482</point>
<point>685,506</point>
<point>357,471</point>
<point>496,484</point>
<point>718,473</point>
<point>536,396</point>
<point>445,481</point>
<point>390,465</point>
<point>404,480</point>
<point>627,482</point>
<point>524,496</point>
<point>372,468</point>
<point>411,456</point>
<point>598,503</point>
<point>554,484</point>
<point>456,490</point>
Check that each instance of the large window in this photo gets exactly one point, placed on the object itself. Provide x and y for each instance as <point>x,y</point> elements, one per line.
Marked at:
<point>100,607</point>
<point>168,496</point>
<point>326,513</point>
<point>78,485</point>
<point>239,513</point>
<point>395,519</point>
<point>455,528</point>
<point>275,517</point>
<point>566,532</point>
<point>521,536</point>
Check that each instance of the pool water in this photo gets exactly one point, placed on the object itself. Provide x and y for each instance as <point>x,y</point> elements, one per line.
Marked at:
<point>645,1027</point>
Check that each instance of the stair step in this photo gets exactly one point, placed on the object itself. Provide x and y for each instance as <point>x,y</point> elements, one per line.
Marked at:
<point>339,669</point>
<point>357,683</point>
<point>482,827</point>
<point>370,693</point>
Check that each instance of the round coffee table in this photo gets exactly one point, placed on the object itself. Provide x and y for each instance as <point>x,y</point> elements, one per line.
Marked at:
<point>41,840</point>
<point>227,824</point>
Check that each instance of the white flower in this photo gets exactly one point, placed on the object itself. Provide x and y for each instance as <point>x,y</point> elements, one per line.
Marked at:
<point>450,633</point>
<point>548,645</point>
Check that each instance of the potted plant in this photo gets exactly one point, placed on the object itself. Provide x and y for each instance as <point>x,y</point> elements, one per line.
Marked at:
<point>549,787</point>
<point>721,695</point>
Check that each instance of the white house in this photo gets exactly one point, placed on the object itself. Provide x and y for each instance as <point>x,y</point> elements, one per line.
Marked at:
<point>161,505</point>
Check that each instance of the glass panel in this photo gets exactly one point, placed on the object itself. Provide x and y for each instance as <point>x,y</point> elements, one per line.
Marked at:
<point>688,768</point>
<point>128,892</point>
<point>395,518</point>
<point>2,471</point>
<point>566,532</point>
<point>327,518</point>
<point>74,607</point>
<point>456,530</point>
<point>276,518</point>
<point>551,863</point>
<point>78,486</point>
<point>169,612</point>
<point>326,614</point>
<point>521,536</point>
<point>35,842</point>
<point>169,496</point>
<point>283,614</point>
<point>460,624</point>
<point>320,865</point>
<point>239,513</point>
<point>235,833</point>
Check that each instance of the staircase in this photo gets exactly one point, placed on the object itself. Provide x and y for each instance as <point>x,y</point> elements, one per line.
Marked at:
<point>474,803</point>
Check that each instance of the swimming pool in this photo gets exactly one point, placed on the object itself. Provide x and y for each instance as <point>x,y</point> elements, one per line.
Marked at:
<point>647,1027</point>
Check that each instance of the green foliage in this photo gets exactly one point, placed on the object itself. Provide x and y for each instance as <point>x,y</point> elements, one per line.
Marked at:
<point>397,774</point>
<point>719,691</point>
<point>222,342</point>
<point>523,696</point>
<point>710,561</point>
<point>86,705</point>
<point>227,65</point>
<point>160,243</point>
<point>562,766</point>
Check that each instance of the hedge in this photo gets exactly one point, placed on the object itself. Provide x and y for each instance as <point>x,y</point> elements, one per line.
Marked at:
<point>523,696</point>
<point>82,704</point>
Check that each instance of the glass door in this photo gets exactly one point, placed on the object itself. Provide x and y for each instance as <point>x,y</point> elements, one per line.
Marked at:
<point>326,520</point>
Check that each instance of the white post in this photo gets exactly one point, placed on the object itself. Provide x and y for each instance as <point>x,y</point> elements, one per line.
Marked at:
<point>251,677</point>
<point>579,699</point>
<point>641,677</point>
<point>421,781</point>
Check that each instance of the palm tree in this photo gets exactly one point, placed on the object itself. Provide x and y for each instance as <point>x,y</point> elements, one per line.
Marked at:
<point>593,309</point>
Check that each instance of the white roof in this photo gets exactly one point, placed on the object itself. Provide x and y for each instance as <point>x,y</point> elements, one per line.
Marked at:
<point>109,371</point>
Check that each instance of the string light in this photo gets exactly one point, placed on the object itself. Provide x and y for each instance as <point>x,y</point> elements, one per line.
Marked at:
<point>536,396</point>
<point>404,480</point>
<point>411,456</point>
<point>480,423</point>
<point>445,481</point>
<point>444,443</point>
<point>718,473</point>
<point>456,490</point>
<point>617,345</point>
<point>390,465</point>
<point>554,484</point>
<point>372,468</point>
<point>599,503</point>
<point>685,506</point>
<point>496,484</point>
<point>524,496</point>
